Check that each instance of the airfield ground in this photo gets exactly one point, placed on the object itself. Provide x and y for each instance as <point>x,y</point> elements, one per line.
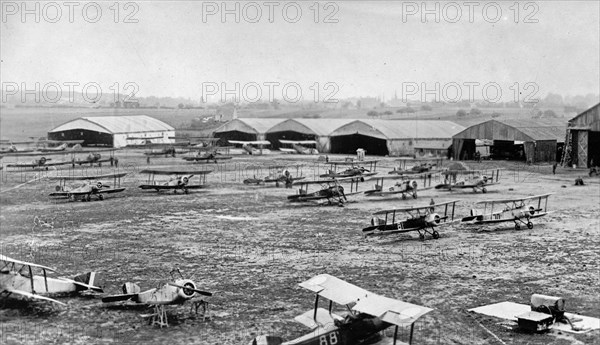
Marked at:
<point>252,248</point>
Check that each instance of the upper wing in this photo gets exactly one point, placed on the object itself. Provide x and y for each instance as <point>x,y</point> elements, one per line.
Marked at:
<point>299,142</point>
<point>30,295</point>
<point>416,208</point>
<point>175,172</point>
<point>19,262</point>
<point>391,310</point>
<point>255,142</point>
<point>334,289</point>
<point>94,177</point>
<point>283,149</point>
<point>516,199</point>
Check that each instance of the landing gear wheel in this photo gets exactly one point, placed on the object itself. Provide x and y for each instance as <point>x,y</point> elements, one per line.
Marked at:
<point>88,198</point>
<point>422,237</point>
<point>436,235</point>
<point>414,195</point>
<point>174,191</point>
<point>100,197</point>
<point>529,225</point>
<point>186,191</point>
<point>517,227</point>
<point>403,196</point>
<point>483,190</point>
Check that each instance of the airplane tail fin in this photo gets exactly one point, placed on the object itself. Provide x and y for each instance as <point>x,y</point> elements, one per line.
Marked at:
<point>90,280</point>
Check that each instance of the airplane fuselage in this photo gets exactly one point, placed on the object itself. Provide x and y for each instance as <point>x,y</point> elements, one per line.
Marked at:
<point>14,281</point>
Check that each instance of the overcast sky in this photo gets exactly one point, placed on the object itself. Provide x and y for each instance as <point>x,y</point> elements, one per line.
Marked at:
<point>372,49</point>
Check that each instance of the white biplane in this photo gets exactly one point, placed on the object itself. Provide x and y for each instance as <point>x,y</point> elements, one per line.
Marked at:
<point>180,179</point>
<point>248,146</point>
<point>514,210</point>
<point>17,278</point>
<point>305,147</point>
<point>407,186</point>
<point>92,185</point>
<point>368,316</point>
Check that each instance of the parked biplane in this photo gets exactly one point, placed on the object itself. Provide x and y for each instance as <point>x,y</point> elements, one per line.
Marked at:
<point>180,180</point>
<point>474,179</point>
<point>330,190</point>
<point>420,165</point>
<point>368,315</point>
<point>248,146</point>
<point>305,147</point>
<point>406,187</point>
<point>175,292</point>
<point>95,157</point>
<point>513,210</point>
<point>17,278</point>
<point>207,157</point>
<point>41,162</point>
<point>422,219</point>
<point>276,177</point>
<point>92,185</point>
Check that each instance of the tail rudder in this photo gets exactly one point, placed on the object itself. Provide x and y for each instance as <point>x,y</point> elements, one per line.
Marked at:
<point>92,280</point>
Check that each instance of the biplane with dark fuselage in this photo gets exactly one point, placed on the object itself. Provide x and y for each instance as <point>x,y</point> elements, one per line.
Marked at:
<point>92,185</point>
<point>420,165</point>
<point>407,186</point>
<point>476,180</point>
<point>514,210</point>
<point>17,278</point>
<point>330,190</point>
<point>180,180</point>
<point>422,219</point>
<point>368,315</point>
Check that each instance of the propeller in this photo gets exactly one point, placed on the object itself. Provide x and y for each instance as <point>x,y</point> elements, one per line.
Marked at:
<point>204,293</point>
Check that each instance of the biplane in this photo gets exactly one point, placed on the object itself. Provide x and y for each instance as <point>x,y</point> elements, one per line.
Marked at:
<point>330,190</point>
<point>41,162</point>
<point>406,187</point>
<point>175,292</point>
<point>368,316</point>
<point>354,171</point>
<point>305,147</point>
<point>17,278</point>
<point>92,185</point>
<point>475,179</point>
<point>248,146</point>
<point>420,165</point>
<point>513,210</point>
<point>95,157</point>
<point>214,156</point>
<point>277,177</point>
<point>180,180</point>
<point>422,219</point>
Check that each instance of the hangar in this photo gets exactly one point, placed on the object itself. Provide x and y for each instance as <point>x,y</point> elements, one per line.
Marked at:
<point>113,131</point>
<point>306,129</point>
<point>393,137</point>
<point>583,139</point>
<point>246,129</point>
<point>528,140</point>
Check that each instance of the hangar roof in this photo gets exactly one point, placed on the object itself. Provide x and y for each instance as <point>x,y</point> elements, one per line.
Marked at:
<point>318,127</point>
<point>249,125</point>
<point>115,124</point>
<point>589,119</point>
<point>517,130</point>
<point>400,129</point>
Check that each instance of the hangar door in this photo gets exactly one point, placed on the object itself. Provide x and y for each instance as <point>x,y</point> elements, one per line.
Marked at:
<point>287,135</point>
<point>90,138</point>
<point>233,135</point>
<point>348,144</point>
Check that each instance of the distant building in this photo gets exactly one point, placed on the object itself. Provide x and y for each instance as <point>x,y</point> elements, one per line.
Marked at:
<point>583,139</point>
<point>114,131</point>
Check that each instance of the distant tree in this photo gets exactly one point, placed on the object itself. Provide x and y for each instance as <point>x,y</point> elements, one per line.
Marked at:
<point>410,110</point>
<point>387,112</point>
<point>180,105</point>
<point>475,111</point>
<point>372,113</point>
<point>549,113</point>
<point>426,107</point>
<point>461,113</point>
<point>495,114</point>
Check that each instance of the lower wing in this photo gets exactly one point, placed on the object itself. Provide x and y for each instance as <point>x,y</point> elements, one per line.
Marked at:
<point>34,296</point>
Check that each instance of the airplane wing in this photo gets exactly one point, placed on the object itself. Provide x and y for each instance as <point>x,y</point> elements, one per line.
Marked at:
<point>256,142</point>
<point>175,172</point>
<point>34,296</point>
<point>515,199</point>
<point>391,310</point>
<point>334,289</point>
<point>299,142</point>
<point>283,149</point>
<point>110,190</point>
<point>117,298</point>
<point>470,185</point>
<point>405,209</point>
<point>166,187</point>
<point>93,177</point>
<point>323,318</point>
<point>19,262</point>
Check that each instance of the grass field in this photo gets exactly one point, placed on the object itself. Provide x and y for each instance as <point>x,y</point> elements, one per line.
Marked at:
<point>252,248</point>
